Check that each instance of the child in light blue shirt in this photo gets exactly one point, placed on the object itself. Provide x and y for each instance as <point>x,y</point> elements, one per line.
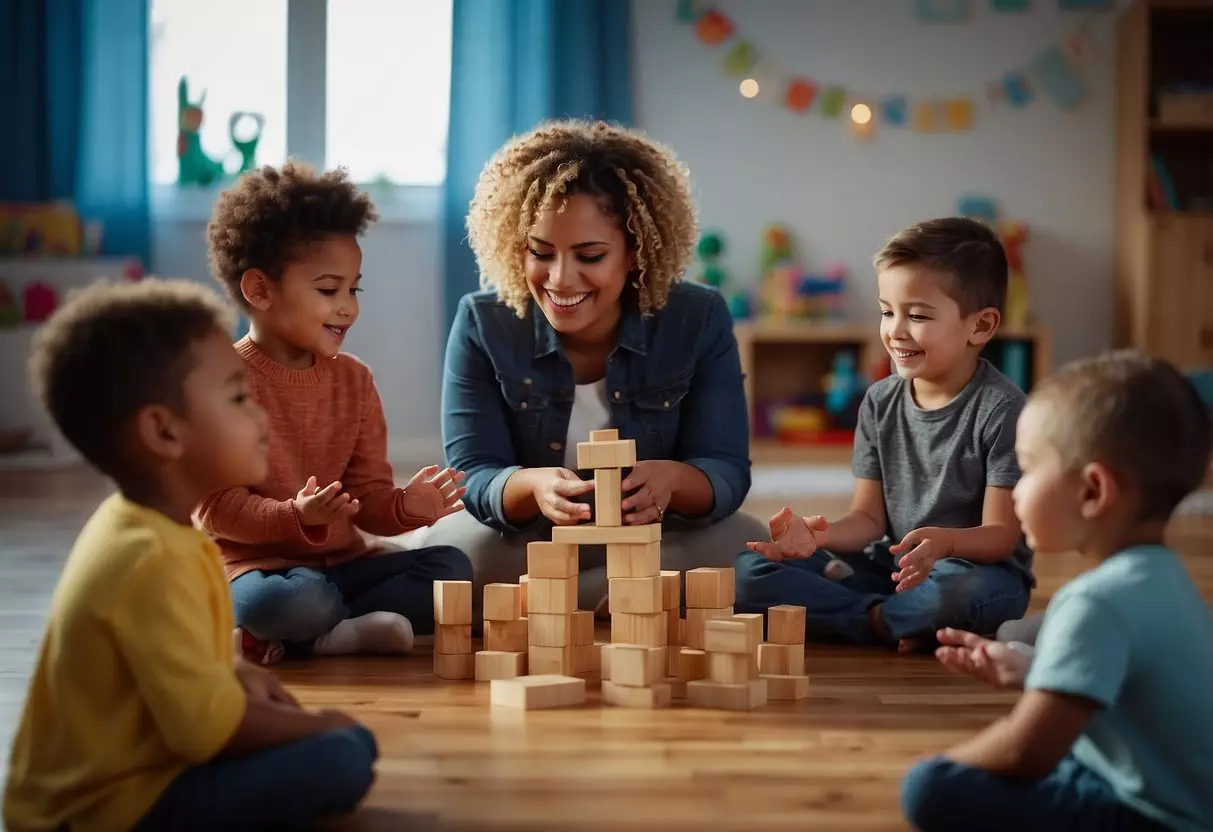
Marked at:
<point>1114,729</point>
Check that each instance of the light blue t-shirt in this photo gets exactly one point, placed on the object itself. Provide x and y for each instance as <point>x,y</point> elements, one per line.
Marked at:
<point>1133,635</point>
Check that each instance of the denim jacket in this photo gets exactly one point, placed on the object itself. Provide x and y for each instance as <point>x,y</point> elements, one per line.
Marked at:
<point>673,382</point>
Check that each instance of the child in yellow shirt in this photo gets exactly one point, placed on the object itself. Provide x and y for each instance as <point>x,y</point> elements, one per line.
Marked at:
<point>138,715</point>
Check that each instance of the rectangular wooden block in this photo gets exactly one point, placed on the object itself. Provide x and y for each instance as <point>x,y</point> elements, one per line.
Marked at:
<point>551,560</point>
<point>583,627</point>
<point>551,660</point>
<point>711,587</point>
<point>673,661</point>
<point>538,691</point>
<point>548,630</point>
<point>780,659</point>
<point>671,589</point>
<point>678,688</point>
<point>637,666</point>
<point>494,664</point>
<point>635,595</point>
<point>785,624</point>
<point>753,620</point>
<point>604,435</point>
<point>453,638</point>
<point>656,696</point>
<point>673,627</point>
<point>452,602</point>
<point>696,618</point>
<point>634,560</point>
<point>786,688</point>
<point>608,494</point>
<point>612,453</point>
<point>647,629</point>
<point>729,668</point>
<point>707,694</point>
<point>455,665</point>
<point>502,602</point>
<point>551,595</point>
<point>506,636</point>
<point>724,635</point>
<point>590,535</point>
<point>585,659</point>
<point>692,664</point>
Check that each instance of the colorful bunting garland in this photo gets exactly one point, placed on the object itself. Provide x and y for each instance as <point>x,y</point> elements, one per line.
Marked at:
<point>1055,73</point>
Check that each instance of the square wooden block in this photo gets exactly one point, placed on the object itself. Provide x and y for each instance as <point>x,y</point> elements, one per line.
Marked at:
<point>785,624</point>
<point>502,602</point>
<point>724,635</point>
<point>452,602</point>
<point>585,659</point>
<point>780,659</point>
<point>711,587</point>
<point>538,691</point>
<point>786,688</point>
<point>494,664</point>
<point>551,595</point>
<point>729,668</point>
<point>754,621</point>
<point>696,618</point>
<point>604,435</point>
<point>453,638</point>
<point>548,630</point>
<point>606,535</point>
<point>636,665</point>
<point>455,665</point>
<point>608,494</point>
<point>506,636</point>
<point>613,453</point>
<point>647,629</point>
<point>633,560</point>
<point>692,664</point>
<point>635,595</point>
<point>707,694</point>
<point>551,560</point>
<point>656,696</point>
<point>551,660</point>
<point>673,627</point>
<point>583,627</point>
<point>671,589</point>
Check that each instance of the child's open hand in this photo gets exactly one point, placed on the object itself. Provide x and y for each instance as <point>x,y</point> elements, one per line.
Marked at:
<point>917,553</point>
<point>990,661</point>
<point>432,494</point>
<point>792,536</point>
<point>319,508</point>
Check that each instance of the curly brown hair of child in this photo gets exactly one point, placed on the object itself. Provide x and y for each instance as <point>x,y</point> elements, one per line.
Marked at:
<point>635,179</point>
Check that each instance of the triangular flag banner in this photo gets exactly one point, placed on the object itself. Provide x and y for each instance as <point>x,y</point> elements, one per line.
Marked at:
<point>688,11</point>
<point>800,94</point>
<point>1015,88</point>
<point>894,110</point>
<point>740,59</point>
<point>832,101</point>
<point>713,28</point>
<point>1058,79</point>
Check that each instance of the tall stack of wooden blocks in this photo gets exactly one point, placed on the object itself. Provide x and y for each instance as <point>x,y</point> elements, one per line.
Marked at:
<point>505,634</point>
<point>552,610</point>
<point>453,658</point>
<point>710,592</point>
<point>781,658</point>
<point>731,645</point>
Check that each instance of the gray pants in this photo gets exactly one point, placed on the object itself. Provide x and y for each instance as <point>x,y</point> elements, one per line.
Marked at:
<point>501,558</point>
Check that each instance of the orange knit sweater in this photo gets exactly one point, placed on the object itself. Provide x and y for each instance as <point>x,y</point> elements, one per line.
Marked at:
<point>326,421</point>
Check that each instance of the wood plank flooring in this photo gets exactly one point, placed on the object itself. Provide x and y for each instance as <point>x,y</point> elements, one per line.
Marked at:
<point>448,761</point>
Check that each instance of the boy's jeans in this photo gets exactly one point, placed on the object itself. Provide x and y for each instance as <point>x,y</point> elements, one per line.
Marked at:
<point>958,593</point>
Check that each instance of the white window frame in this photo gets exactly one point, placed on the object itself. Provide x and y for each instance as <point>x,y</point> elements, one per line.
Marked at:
<point>306,132</point>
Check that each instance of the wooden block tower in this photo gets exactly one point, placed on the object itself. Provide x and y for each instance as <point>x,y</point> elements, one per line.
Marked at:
<point>731,645</point>
<point>781,659</point>
<point>453,658</point>
<point>560,636</point>
<point>710,593</point>
<point>505,634</point>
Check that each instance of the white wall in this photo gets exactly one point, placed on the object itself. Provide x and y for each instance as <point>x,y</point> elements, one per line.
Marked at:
<point>755,162</point>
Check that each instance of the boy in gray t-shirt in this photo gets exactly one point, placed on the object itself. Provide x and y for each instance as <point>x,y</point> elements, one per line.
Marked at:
<point>934,463</point>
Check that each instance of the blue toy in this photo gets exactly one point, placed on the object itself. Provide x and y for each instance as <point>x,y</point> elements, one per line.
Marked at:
<point>843,384</point>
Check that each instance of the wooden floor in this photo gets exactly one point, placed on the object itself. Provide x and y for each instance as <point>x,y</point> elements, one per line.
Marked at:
<point>448,761</point>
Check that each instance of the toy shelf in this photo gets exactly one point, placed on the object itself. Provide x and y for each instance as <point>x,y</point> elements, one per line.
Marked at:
<point>789,359</point>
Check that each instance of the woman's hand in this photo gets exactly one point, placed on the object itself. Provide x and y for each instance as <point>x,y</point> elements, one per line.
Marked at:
<point>554,488</point>
<point>652,485</point>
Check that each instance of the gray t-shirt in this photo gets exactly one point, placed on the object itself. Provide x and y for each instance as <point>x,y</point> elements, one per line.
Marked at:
<point>934,465</point>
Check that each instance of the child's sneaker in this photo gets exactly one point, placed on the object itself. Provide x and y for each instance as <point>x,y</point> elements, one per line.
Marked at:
<point>254,649</point>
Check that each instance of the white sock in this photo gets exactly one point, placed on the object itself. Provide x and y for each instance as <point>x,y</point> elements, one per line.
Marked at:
<point>837,570</point>
<point>375,632</point>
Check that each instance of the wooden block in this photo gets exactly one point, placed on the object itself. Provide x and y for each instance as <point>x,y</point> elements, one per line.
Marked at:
<point>598,654</point>
<point>453,638</point>
<point>591,535</point>
<point>671,589</point>
<point>608,494</point>
<point>538,691</point>
<point>615,453</point>
<point>502,602</point>
<point>523,581</point>
<point>585,659</point>
<point>548,630</point>
<point>559,661</point>
<point>506,636</point>
<point>604,435</point>
<point>673,661</point>
<point>710,587</point>
<point>703,693</point>
<point>551,560</point>
<point>455,665</point>
<point>678,688</point>
<point>724,635</point>
<point>656,696</point>
<point>636,665</point>
<point>452,602</point>
<point>639,628</point>
<point>682,631</point>
<point>495,664</point>
<point>697,618</point>
<point>635,595</point>
<point>692,664</point>
<point>673,627</point>
<point>785,624</point>
<point>551,595</point>
<point>753,620</point>
<point>583,627</point>
<point>633,560</point>
<point>729,668</point>
<point>786,688</point>
<point>780,659</point>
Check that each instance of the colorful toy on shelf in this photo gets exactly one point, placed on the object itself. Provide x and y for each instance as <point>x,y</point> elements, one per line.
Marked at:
<point>1014,235</point>
<point>41,299</point>
<point>798,423</point>
<point>51,229</point>
<point>194,167</point>
<point>711,272</point>
<point>246,147</point>
<point>843,386</point>
<point>10,313</point>
<point>789,291</point>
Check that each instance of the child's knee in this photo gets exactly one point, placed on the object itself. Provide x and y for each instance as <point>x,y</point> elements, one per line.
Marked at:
<point>748,568</point>
<point>923,798</point>
<point>349,769</point>
<point>290,609</point>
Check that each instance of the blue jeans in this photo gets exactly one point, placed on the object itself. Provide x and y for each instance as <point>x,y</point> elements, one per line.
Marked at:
<point>298,605</point>
<point>957,593</point>
<point>938,795</point>
<point>287,787</point>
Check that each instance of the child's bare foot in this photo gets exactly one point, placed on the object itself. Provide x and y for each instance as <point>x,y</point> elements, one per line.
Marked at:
<point>375,632</point>
<point>253,649</point>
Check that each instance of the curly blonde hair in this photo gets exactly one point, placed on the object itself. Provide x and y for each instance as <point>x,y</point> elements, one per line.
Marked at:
<point>636,179</point>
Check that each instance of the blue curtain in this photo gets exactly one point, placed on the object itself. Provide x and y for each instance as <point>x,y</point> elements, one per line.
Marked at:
<point>515,63</point>
<point>74,85</point>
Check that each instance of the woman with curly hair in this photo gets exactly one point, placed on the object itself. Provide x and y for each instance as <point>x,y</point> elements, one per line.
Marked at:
<point>582,232</point>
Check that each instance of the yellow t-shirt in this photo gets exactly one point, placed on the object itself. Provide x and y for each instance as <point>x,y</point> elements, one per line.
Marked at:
<point>134,681</point>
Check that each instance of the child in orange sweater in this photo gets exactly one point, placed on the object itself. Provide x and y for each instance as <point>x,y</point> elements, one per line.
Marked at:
<point>303,578</point>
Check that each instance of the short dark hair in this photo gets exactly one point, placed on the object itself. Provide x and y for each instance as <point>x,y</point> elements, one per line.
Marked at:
<point>967,251</point>
<point>1139,416</point>
<point>114,348</point>
<point>270,214</point>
